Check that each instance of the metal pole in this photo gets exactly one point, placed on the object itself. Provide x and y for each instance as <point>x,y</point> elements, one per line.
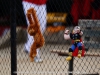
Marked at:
<point>71,66</point>
<point>13,36</point>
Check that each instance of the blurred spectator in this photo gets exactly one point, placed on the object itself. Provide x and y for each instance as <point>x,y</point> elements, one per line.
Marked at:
<point>40,7</point>
<point>85,9</point>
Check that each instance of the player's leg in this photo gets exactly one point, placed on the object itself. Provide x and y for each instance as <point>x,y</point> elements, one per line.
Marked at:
<point>26,6</point>
<point>41,13</point>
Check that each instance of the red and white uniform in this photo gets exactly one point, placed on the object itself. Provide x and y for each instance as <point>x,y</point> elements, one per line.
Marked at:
<point>41,12</point>
<point>38,2</point>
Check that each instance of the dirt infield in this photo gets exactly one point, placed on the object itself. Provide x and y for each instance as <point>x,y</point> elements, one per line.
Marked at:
<point>52,63</point>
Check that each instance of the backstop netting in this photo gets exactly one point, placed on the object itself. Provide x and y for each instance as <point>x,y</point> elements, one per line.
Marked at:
<point>55,16</point>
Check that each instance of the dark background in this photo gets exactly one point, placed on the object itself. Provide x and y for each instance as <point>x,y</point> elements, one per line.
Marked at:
<point>52,6</point>
<point>5,13</point>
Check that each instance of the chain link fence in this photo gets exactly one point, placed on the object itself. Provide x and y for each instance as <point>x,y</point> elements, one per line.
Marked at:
<point>58,15</point>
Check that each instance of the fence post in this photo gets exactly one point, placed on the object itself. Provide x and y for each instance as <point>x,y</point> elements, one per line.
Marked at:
<point>71,66</point>
<point>13,36</point>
